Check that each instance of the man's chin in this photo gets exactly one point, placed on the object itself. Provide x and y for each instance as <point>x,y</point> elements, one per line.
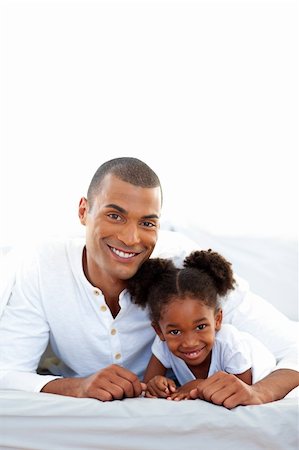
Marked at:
<point>127,271</point>
<point>125,275</point>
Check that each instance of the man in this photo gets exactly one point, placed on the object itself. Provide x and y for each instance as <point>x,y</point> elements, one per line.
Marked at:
<point>75,296</point>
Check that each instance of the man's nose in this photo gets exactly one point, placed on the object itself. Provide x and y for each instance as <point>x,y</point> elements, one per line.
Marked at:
<point>129,234</point>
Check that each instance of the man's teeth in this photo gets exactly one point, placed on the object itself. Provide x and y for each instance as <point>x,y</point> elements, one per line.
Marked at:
<point>122,254</point>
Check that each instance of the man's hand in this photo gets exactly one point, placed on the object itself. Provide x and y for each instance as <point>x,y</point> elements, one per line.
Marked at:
<point>112,383</point>
<point>160,386</point>
<point>228,390</point>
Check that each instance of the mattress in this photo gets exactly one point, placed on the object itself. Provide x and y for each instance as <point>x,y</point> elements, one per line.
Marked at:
<point>49,422</point>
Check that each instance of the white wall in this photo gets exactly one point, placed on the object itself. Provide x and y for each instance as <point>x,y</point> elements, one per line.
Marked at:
<point>206,92</point>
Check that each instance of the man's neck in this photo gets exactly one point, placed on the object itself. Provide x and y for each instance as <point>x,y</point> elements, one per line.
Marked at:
<point>110,288</point>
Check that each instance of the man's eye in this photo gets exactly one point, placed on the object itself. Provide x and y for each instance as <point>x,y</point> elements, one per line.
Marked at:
<point>148,224</point>
<point>114,216</point>
<point>175,332</point>
<point>201,327</point>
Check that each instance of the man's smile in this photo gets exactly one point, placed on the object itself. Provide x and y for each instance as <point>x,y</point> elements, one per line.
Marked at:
<point>122,253</point>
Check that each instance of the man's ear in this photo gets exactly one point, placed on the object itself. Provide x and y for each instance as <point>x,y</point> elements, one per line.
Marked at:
<point>218,319</point>
<point>83,209</point>
<point>158,330</point>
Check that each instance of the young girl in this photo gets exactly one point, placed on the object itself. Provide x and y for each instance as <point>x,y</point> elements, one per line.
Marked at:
<point>184,305</point>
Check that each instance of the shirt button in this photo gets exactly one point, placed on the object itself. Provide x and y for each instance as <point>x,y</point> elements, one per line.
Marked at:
<point>96,292</point>
<point>117,356</point>
<point>113,331</point>
<point>103,308</point>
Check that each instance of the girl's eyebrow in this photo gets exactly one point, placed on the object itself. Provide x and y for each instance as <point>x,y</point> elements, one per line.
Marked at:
<point>173,325</point>
<point>200,320</point>
<point>124,211</point>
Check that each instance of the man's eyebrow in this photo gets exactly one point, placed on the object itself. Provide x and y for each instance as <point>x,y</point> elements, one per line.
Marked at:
<point>124,211</point>
<point>118,208</point>
<point>151,216</point>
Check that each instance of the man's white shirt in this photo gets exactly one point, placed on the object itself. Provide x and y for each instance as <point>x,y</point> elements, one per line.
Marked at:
<point>50,299</point>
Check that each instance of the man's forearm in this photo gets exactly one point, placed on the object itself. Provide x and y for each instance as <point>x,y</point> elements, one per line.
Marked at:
<point>276,385</point>
<point>111,383</point>
<point>64,386</point>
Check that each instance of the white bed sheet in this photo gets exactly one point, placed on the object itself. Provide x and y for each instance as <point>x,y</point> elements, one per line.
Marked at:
<point>49,422</point>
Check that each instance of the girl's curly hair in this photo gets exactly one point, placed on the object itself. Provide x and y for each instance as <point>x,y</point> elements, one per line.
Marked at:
<point>205,276</point>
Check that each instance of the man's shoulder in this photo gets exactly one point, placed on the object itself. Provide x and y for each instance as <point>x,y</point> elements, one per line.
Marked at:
<point>227,334</point>
<point>49,249</point>
<point>173,244</point>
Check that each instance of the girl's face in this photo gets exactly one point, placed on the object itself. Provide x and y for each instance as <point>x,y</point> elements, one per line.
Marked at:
<point>188,326</point>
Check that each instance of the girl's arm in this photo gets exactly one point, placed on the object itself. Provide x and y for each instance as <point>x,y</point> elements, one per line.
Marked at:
<point>157,384</point>
<point>154,367</point>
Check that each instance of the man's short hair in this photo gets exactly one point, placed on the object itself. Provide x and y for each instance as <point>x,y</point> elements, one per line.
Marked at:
<point>128,169</point>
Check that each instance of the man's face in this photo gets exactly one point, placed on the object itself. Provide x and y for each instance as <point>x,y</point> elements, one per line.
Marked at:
<point>121,229</point>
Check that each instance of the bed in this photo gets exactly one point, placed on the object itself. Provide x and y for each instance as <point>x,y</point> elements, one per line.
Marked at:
<point>49,422</point>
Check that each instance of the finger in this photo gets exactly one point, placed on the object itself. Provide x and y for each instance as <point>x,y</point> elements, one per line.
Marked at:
<point>148,395</point>
<point>152,389</point>
<point>160,393</point>
<point>162,384</point>
<point>117,386</point>
<point>126,380</point>
<point>232,401</point>
<point>176,397</point>
<point>143,387</point>
<point>131,384</point>
<point>102,395</point>
<point>159,386</point>
<point>210,386</point>
<point>194,394</point>
<point>220,390</point>
<point>172,386</point>
<point>241,397</point>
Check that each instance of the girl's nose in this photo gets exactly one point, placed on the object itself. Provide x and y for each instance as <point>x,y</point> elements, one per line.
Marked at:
<point>190,340</point>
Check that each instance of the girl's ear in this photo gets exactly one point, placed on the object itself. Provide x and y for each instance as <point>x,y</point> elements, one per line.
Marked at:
<point>218,319</point>
<point>158,330</point>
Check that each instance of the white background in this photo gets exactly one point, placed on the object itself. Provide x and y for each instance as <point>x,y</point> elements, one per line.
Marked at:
<point>205,92</point>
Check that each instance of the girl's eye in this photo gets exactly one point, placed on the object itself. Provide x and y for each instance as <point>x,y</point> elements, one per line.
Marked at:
<point>201,327</point>
<point>174,332</point>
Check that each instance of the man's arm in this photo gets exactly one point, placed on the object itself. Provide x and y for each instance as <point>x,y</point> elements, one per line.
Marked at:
<point>228,390</point>
<point>112,383</point>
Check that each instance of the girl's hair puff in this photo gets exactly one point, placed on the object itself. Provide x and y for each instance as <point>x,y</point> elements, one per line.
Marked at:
<point>154,285</point>
<point>214,265</point>
<point>205,276</point>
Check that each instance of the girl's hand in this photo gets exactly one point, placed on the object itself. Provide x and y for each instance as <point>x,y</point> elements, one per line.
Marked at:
<point>160,387</point>
<point>183,392</point>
